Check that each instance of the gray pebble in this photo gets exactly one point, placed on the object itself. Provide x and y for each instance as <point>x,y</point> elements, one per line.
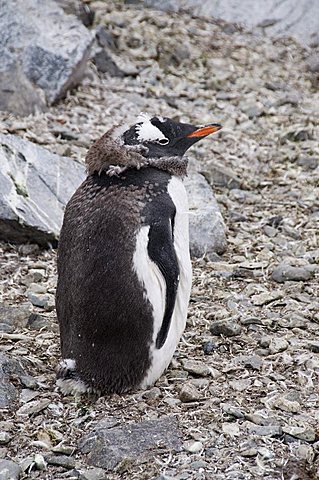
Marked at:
<point>228,328</point>
<point>93,474</point>
<point>196,367</point>
<point>305,433</point>
<point>208,348</point>
<point>284,273</point>
<point>313,346</point>
<point>277,345</point>
<point>265,430</point>
<point>9,470</point>
<point>60,461</point>
<point>5,438</point>
<point>189,393</point>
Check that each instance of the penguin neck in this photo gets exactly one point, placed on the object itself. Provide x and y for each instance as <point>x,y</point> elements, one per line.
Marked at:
<point>108,153</point>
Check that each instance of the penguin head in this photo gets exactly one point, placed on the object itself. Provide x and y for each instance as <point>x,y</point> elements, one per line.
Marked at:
<point>163,137</point>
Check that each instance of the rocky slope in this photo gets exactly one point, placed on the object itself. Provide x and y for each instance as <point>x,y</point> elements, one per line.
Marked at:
<point>243,386</point>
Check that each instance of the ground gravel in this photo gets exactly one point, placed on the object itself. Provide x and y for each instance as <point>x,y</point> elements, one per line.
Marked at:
<point>244,380</point>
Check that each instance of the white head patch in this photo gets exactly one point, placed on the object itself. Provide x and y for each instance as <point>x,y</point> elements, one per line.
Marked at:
<point>146,131</point>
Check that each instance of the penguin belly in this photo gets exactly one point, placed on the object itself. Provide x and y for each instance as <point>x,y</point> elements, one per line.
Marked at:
<point>155,285</point>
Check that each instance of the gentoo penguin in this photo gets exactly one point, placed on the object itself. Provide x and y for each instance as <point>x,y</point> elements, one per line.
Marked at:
<point>124,270</point>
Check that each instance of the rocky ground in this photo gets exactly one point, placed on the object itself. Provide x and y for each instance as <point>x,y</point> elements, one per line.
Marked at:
<point>243,384</point>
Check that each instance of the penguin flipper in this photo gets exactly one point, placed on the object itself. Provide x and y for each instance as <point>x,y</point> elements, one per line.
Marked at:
<point>161,251</point>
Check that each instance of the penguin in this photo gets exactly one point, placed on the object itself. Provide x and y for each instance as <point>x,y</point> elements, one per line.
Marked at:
<point>124,269</point>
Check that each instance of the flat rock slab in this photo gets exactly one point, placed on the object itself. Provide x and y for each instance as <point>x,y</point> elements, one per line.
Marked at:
<point>43,54</point>
<point>289,17</point>
<point>9,368</point>
<point>206,226</point>
<point>134,442</point>
<point>35,185</point>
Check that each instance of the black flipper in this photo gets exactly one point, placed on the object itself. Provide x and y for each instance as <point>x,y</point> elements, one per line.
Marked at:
<point>161,251</point>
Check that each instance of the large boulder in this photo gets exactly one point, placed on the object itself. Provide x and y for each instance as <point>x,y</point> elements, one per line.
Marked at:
<point>43,54</point>
<point>35,185</point>
<point>298,18</point>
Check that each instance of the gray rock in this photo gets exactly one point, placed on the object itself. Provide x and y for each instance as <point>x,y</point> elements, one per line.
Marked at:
<point>291,17</point>
<point>14,316</point>
<point>5,438</point>
<point>43,51</point>
<point>265,430</point>
<point>93,474</point>
<point>32,199</point>
<point>284,273</point>
<point>308,162</point>
<point>81,10</point>
<point>196,367</point>
<point>108,447</point>
<point>207,228</point>
<point>313,63</point>
<point>221,176</point>
<point>228,328</point>
<point>305,433</point>
<point>9,367</point>
<point>9,470</point>
<point>60,461</point>
<point>313,346</point>
<point>189,393</point>
<point>105,64</point>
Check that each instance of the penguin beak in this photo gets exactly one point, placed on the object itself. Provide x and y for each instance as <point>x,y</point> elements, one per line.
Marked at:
<point>204,131</point>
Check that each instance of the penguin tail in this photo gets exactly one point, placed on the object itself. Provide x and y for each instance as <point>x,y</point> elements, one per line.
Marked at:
<point>68,380</point>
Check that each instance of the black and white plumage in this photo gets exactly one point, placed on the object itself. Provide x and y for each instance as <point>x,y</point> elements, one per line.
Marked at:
<point>124,270</point>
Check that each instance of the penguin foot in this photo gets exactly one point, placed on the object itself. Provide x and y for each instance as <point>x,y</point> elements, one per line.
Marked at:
<point>68,380</point>
<point>115,170</point>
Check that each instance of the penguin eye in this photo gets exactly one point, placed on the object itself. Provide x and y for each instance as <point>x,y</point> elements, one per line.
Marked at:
<point>163,141</point>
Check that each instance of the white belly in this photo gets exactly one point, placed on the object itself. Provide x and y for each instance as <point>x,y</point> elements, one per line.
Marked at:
<point>155,286</point>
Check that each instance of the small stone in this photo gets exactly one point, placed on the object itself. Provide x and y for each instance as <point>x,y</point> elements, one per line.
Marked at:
<point>152,394</point>
<point>196,367</point>
<point>93,474</point>
<point>209,348</point>
<point>265,453</point>
<point>305,452</point>
<point>308,162</point>
<point>39,299</point>
<point>291,406</point>
<point>264,341</point>
<point>9,470</point>
<point>249,452</point>
<point>60,461</point>
<point>253,361</point>
<point>189,393</point>
<point>240,385</point>
<point>39,461</point>
<point>230,429</point>
<point>313,346</point>
<point>193,447</point>
<point>233,411</point>
<point>35,406</point>
<point>5,438</point>
<point>228,328</point>
<point>36,321</point>
<point>252,109</point>
<point>219,176</point>
<point>266,298</point>
<point>5,328</point>
<point>277,345</point>
<point>313,63</point>
<point>265,430</point>
<point>284,273</point>
<point>305,433</point>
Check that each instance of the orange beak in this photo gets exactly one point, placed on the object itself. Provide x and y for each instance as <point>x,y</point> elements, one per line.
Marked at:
<point>204,131</point>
